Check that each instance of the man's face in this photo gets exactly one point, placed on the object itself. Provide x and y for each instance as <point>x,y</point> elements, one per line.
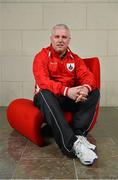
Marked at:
<point>60,39</point>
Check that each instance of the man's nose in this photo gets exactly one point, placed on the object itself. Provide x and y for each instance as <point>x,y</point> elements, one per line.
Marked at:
<point>60,39</point>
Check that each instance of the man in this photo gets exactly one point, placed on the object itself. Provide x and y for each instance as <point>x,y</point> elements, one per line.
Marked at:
<point>64,83</point>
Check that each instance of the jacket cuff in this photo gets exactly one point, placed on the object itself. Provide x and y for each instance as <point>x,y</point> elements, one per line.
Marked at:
<point>88,87</point>
<point>65,91</point>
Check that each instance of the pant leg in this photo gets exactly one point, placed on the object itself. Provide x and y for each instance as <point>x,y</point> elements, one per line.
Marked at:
<point>50,107</point>
<point>85,113</point>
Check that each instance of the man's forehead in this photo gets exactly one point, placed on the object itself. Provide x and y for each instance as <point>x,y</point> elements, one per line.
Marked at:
<point>60,30</point>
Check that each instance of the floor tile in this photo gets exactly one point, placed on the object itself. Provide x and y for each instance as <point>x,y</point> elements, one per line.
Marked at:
<point>106,169</point>
<point>7,166</point>
<point>45,168</point>
<point>11,149</point>
<point>107,149</point>
<point>49,151</point>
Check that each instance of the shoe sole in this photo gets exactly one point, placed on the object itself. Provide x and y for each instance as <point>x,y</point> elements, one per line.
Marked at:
<point>88,163</point>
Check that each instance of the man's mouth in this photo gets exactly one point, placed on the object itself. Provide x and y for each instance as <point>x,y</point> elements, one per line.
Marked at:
<point>60,45</point>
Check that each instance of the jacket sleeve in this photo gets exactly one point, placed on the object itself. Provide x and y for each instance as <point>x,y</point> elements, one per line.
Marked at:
<point>42,78</point>
<point>84,75</point>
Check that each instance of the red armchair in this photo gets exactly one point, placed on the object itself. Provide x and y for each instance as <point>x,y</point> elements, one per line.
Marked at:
<point>27,119</point>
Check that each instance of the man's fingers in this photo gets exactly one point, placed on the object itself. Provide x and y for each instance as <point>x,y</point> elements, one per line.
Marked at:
<point>83,93</point>
<point>83,99</point>
<point>78,98</point>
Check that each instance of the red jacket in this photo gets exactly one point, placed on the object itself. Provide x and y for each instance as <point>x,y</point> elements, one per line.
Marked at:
<point>57,75</point>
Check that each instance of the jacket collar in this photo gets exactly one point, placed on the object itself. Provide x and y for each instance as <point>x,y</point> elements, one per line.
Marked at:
<point>52,52</point>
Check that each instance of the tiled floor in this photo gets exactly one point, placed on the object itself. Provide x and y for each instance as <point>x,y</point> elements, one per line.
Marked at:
<point>21,159</point>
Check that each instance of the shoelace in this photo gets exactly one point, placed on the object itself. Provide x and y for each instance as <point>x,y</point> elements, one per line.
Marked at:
<point>84,139</point>
<point>87,142</point>
<point>77,144</point>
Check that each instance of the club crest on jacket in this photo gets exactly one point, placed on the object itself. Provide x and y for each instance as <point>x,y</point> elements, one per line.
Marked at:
<point>70,66</point>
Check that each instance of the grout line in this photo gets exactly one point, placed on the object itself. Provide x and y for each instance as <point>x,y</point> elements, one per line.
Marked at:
<point>107,43</point>
<point>86,26</point>
<point>18,162</point>
<point>75,169</point>
<point>64,2</point>
<point>43,9</point>
<point>21,49</point>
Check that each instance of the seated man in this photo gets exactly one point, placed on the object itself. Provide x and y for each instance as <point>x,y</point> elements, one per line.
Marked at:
<point>64,83</point>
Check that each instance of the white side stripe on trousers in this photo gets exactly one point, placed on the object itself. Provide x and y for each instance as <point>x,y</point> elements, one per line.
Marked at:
<point>55,121</point>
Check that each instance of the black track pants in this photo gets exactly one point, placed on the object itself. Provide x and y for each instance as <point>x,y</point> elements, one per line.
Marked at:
<point>53,108</point>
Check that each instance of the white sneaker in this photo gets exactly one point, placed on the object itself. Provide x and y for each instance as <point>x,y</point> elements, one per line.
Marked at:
<point>86,156</point>
<point>86,142</point>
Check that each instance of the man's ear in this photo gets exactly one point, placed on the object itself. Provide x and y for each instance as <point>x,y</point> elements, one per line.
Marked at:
<point>69,40</point>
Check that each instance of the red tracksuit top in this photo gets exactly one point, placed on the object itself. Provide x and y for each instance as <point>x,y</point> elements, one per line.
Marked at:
<point>57,75</point>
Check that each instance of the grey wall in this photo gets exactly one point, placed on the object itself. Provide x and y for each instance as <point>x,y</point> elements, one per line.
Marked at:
<point>25,28</point>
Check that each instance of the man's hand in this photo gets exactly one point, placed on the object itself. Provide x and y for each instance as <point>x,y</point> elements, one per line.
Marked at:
<point>82,95</point>
<point>78,93</point>
<point>73,92</point>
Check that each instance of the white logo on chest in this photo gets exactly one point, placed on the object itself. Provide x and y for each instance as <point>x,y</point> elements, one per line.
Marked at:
<point>70,66</point>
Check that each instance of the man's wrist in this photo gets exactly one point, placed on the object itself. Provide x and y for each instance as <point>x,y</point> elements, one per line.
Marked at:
<point>88,87</point>
<point>66,91</point>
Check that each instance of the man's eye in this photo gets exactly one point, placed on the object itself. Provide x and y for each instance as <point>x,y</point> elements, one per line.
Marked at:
<point>64,37</point>
<point>56,36</point>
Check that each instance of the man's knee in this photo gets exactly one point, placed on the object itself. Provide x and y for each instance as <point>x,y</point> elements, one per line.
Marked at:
<point>95,95</point>
<point>46,96</point>
<point>45,92</point>
<point>41,97</point>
